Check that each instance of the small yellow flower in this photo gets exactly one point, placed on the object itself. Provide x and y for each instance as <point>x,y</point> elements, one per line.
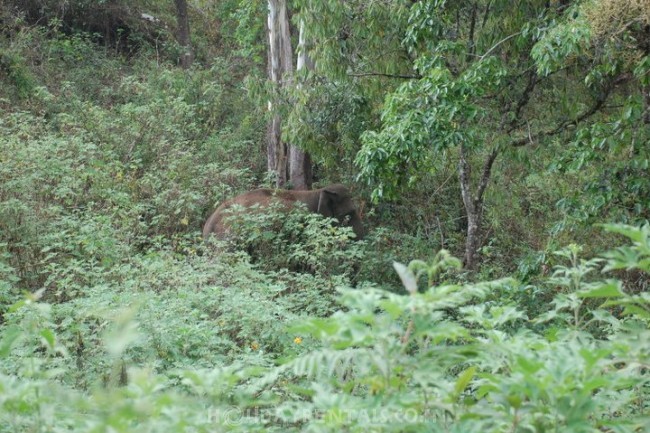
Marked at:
<point>255,345</point>
<point>297,340</point>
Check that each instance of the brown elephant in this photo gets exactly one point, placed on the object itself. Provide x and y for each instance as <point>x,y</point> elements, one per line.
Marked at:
<point>332,201</point>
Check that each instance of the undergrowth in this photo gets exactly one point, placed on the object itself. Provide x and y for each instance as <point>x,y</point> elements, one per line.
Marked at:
<point>206,345</point>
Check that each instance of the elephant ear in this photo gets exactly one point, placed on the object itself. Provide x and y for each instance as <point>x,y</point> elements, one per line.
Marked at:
<point>325,201</point>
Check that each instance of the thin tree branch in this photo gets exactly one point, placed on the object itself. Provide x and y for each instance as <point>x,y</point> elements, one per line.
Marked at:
<point>598,104</point>
<point>507,38</point>
<point>523,100</point>
<point>442,235</point>
<point>464,170</point>
<point>443,184</point>
<point>530,137</point>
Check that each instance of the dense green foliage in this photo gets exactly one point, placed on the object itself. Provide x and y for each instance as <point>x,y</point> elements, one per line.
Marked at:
<point>297,240</point>
<point>115,316</point>
<point>469,84</point>
<point>451,358</point>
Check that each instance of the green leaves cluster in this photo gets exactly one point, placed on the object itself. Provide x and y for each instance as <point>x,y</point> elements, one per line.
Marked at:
<point>443,357</point>
<point>453,358</point>
<point>563,44</point>
<point>297,240</point>
<point>422,119</point>
<point>91,172</point>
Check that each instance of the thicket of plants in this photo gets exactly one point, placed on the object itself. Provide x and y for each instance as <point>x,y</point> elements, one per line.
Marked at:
<point>116,316</point>
<point>168,349</point>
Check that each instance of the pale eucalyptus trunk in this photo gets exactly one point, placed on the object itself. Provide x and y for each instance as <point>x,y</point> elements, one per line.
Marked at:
<point>300,162</point>
<point>276,152</point>
<point>280,74</point>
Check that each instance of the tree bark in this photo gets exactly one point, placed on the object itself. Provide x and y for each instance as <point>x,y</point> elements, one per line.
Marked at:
<point>183,36</point>
<point>300,169</point>
<point>473,204</point>
<point>277,152</point>
<point>280,72</point>
<point>300,162</point>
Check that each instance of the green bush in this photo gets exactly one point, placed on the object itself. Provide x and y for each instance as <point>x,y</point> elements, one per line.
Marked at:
<point>406,363</point>
<point>169,310</point>
<point>8,279</point>
<point>446,358</point>
<point>14,71</point>
<point>297,240</point>
<point>96,166</point>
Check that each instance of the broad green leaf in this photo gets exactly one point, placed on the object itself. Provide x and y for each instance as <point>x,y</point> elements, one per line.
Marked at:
<point>9,337</point>
<point>514,400</point>
<point>611,289</point>
<point>464,379</point>
<point>634,310</point>
<point>591,356</point>
<point>392,308</point>
<point>529,366</point>
<point>48,337</point>
<point>636,234</point>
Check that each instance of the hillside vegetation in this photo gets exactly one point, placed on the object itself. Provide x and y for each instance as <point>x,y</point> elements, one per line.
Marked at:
<point>529,124</point>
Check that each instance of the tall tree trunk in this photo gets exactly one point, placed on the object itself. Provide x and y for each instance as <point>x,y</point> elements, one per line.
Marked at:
<point>473,204</point>
<point>277,152</point>
<point>280,71</point>
<point>274,135</point>
<point>300,169</point>
<point>300,162</point>
<point>184,33</point>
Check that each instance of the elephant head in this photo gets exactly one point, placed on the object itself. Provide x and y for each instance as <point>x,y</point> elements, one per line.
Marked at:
<point>332,201</point>
<point>337,202</point>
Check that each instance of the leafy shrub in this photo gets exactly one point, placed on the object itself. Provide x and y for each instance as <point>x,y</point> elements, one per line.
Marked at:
<point>14,71</point>
<point>448,358</point>
<point>404,363</point>
<point>297,240</point>
<point>98,165</point>
<point>8,279</point>
<point>116,26</point>
<point>167,311</point>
